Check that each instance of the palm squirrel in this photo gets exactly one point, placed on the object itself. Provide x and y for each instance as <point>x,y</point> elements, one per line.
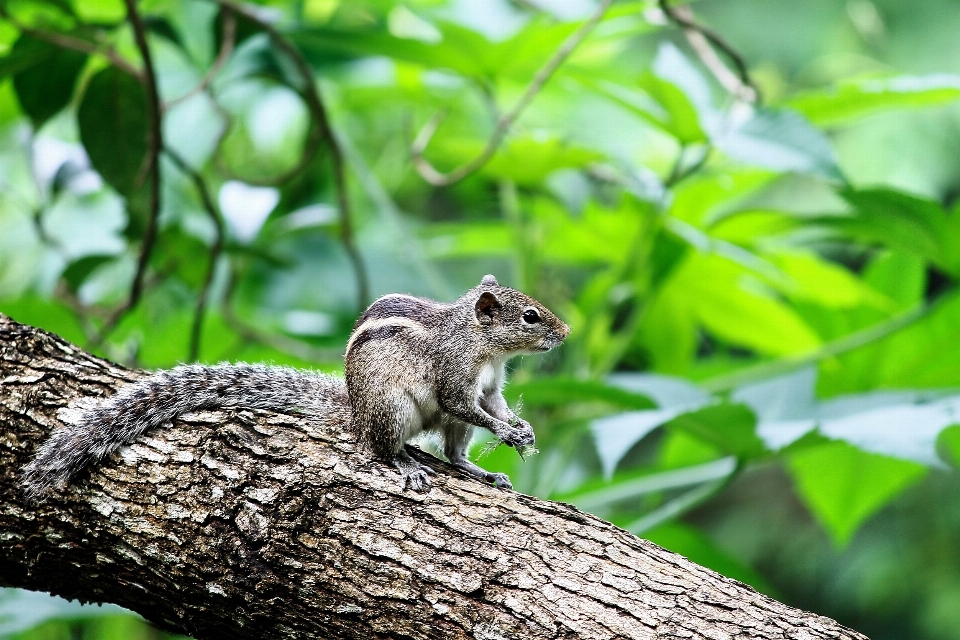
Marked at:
<point>412,365</point>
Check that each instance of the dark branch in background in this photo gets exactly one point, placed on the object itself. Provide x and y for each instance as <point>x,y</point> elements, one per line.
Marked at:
<point>216,249</point>
<point>701,38</point>
<point>319,114</point>
<point>226,50</point>
<point>76,44</point>
<point>155,137</point>
<point>506,121</point>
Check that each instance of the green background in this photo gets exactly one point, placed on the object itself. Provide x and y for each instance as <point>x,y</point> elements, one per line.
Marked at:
<point>764,362</point>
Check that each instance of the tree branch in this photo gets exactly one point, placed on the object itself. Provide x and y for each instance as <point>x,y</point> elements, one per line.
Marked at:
<point>701,38</point>
<point>506,121</point>
<point>248,524</point>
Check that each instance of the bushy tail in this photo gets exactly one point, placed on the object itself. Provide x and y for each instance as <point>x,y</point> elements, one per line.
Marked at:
<point>164,396</point>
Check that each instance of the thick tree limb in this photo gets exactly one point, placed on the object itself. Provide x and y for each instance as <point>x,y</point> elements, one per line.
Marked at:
<point>246,524</point>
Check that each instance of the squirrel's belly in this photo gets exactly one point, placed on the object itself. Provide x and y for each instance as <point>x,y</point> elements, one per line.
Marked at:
<point>430,413</point>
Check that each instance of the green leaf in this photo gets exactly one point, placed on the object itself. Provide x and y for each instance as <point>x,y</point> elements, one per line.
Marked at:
<point>113,128</point>
<point>852,100</point>
<point>899,276</point>
<point>78,270</point>
<point>679,117</point>
<point>672,65</point>
<point>528,161</point>
<point>458,240</point>
<point>948,445</point>
<point>523,54</point>
<point>716,291</point>
<point>556,391</point>
<point>50,315</point>
<point>729,427</point>
<point>701,198</point>
<point>9,109</point>
<point>322,45</point>
<point>51,15</point>
<point>665,105</point>
<point>101,11</point>
<point>162,27</point>
<point>668,333</point>
<point>601,494</point>
<point>843,486</point>
<point>827,283</point>
<point>901,222</point>
<point>780,140</point>
<point>44,76</point>
<point>680,449</point>
<point>924,354</point>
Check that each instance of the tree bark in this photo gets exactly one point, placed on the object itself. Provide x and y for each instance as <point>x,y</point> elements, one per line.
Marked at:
<point>252,524</point>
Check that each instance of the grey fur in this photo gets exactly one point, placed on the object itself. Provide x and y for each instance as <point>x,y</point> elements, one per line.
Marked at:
<point>412,365</point>
<point>415,365</point>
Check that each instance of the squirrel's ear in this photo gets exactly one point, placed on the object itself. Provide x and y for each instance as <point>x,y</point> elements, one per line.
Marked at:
<point>488,307</point>
<point>489,281</point>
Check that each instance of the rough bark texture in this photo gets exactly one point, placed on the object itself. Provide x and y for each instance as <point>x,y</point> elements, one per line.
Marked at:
<point>246,524</point>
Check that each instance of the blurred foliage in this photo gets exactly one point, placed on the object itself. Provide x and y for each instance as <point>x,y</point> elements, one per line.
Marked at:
<point>765,356</point>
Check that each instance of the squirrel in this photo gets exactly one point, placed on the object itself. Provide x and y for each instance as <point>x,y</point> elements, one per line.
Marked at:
<point>412,365</point>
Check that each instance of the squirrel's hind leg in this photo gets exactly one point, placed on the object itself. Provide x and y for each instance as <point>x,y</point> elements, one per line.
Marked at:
<point>388,417</point>
<point>456,441</point>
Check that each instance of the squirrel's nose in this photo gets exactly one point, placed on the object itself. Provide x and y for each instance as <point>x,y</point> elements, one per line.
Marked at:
<point>566,330</point>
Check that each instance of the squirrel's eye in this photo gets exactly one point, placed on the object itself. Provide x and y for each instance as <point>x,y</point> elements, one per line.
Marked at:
<point>531,316</point>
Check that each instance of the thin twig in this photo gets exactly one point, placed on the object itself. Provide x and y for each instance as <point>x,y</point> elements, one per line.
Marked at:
<point>226,50</point>
<point>701,38</point>
<point>216,249</point>
<point>435,177</point>
<point>319,112</point>
<point>154,115</point>
<point>76,44</point>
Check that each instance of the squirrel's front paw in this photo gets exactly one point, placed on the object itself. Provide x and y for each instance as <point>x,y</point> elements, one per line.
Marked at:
<point>519,435</point>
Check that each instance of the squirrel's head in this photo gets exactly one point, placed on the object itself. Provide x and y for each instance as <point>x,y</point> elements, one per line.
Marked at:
<point>513,321</point>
